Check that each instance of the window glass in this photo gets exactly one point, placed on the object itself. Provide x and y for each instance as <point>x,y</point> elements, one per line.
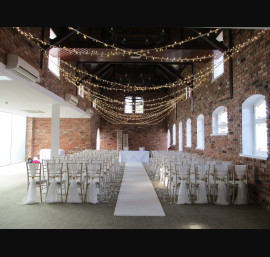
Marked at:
<point>180,136</point>
<point>222,122</point>
<point>261,137</point>
<point>53,63</point>
<point>81,91</point>
<point>260,110</point>
<point>139,105</point>
<point>218,67</point>
<point>128,104</point>
<point>188,133</point>
<point>174,134</point>
<point>200,132</point>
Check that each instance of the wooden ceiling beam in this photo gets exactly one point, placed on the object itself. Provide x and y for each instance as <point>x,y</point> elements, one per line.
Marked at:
<point>169,53</point>
<point>61,38</point>
<point>216,44</point>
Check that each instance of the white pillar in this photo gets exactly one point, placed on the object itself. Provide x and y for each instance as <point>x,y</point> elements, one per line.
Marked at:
<point>55,127</point>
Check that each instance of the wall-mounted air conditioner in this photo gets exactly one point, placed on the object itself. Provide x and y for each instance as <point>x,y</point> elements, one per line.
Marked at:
<point>21,67</point>
<point>71,99</point>
<point>89,111</point>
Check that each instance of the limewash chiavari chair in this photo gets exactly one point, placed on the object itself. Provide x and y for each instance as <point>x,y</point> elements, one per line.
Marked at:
<point>55,183</point>
<point>182,189</point>
<point>200,185</point>
<point>75,183</point>
<point>93,183</point>
<point>34,180</point>
<point>221,180</point>
<point>240,184</point>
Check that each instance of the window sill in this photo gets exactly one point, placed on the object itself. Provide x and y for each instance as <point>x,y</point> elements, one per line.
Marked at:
<point>55,75</point>
<point>217,77</point>
<point>260,157</point>
<point>199,148</point>
<point>220,134</point>
<point>186,146</point>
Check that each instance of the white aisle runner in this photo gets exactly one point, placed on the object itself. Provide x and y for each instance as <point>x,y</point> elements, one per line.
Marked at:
<point>137,196</point>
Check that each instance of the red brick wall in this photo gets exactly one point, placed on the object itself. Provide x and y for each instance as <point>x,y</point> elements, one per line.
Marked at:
<point>75,135</point>
<point>13,42</point>
<point>250,76</point>
<point>151,137</point>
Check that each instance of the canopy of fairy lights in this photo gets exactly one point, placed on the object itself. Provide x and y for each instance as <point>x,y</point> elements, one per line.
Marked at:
<point>156,109</point>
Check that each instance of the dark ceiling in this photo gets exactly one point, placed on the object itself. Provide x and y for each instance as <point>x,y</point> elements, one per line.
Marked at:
<point>141,71</point>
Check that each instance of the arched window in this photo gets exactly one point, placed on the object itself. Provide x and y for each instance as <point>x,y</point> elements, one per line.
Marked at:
<point>180,137</point>
<point>220,121</point>
<point>168,139</point>
<point>188,133</point>
<point>174,134</point>
<point>200,132</point>
<point>98,140</point>
<point>254,127</point>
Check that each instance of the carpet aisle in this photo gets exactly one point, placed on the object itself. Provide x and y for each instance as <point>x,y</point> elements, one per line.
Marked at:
<point>137,196</point>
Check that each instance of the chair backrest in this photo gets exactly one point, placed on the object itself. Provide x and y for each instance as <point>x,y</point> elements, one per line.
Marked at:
<point>202,169</point>
<point>241,171</point>
<point>221,171</point>
<point>184,170</point>
<point>93,168</point>
<point>33,171</point>
<point>74,169</point>
<point>54,169</point>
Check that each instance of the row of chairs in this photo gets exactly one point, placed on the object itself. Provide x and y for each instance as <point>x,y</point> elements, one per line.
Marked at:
<point>189,178</point>
<point>71,180</point>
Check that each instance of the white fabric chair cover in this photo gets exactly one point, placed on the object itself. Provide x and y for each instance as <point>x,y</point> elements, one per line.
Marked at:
<point>183,196</point>
<point>73,192</point>
<point>31,195</point>
<point>91,196</point>
<point>222,193</point>
<point>53,196</point>
<point>242,192</point>
<point>201,190</point>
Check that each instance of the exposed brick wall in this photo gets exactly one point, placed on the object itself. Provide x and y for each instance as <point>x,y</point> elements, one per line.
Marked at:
<point>150,137</point>
<point>75,135</point>
<point>13,42</point>
<point>250,76</point>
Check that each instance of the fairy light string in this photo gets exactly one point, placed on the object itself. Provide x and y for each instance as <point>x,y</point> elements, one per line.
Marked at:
<point>139,88</point>
<point>160,109</point>
<point>126,51</point>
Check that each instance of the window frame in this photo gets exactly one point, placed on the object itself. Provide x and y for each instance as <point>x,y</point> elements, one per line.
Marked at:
<point>180,139</point>
<point>248,130</point>
<point>168,139</point>
<point>80,91</point>
<point>216,67</point>
<point>215,121</point>
<point>174,134</point>
<point>133,105</point>
<point>188,133</point>
<point>200,132</point>
<point>57,65</point>
<point>255,122</point>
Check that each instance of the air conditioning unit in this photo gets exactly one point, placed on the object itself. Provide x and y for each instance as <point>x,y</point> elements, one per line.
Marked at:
<point>89,111</point>
<point>21,67</point>
<point>71,99</point>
